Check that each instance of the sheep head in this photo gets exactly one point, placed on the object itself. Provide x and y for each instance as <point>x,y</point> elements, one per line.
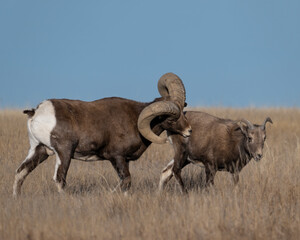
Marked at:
<point>170,87</point>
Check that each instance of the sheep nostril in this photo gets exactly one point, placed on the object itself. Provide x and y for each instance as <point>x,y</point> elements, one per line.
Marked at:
<point>190,130</point>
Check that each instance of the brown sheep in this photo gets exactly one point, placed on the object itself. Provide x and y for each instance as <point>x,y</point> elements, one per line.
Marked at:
<point>219,144</point>
<point>114,129</point>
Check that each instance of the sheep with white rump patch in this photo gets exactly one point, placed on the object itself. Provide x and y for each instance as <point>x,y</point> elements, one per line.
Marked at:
<point>114,129</point>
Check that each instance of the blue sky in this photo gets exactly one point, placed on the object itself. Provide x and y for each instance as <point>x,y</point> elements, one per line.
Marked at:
<point>228,53</point>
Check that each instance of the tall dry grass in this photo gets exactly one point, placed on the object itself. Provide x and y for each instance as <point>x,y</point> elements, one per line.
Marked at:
<point>264,205</point>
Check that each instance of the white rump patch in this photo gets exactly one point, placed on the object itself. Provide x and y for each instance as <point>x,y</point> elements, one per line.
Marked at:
<point>42,123</point>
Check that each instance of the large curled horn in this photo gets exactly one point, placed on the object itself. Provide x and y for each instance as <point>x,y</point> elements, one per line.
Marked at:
<point>248,123</point>
<point>268,119</point>
<point>171,85</point>
<point>152,111</point>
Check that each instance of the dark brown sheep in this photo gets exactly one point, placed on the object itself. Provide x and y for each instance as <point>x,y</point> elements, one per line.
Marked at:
<point>114,129</point>
<point>219,144</point>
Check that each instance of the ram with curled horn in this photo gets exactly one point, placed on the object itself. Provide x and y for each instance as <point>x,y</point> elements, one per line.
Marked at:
<point>216,144</point>
<point>114,129</point>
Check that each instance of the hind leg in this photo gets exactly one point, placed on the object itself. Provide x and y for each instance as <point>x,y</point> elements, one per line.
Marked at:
<point>37,154</point>
<point>63,160</point>
<point>172,169</point>
<point>166,176</point>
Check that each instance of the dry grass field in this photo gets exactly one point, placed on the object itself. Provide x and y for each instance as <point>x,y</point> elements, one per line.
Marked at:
<point>264,205</point>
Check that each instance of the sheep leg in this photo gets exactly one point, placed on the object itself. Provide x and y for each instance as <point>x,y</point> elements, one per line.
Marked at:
<point>210,175</point>
<point>63,160</point>
<point>235,170</point>
<point>178,166</point>
<point>177,175</point>
<point>37,154</point>
<point>235,178</point>
<point>166,175</point>
<point>122,169</point>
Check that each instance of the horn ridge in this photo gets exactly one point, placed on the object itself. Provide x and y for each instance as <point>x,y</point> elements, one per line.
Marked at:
<point>248,123</point>
<point>268,119</point>
<point>171,85</point>
<point>149,113</point>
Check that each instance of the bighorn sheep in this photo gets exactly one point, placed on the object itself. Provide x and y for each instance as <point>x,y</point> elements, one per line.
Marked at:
<point>219,144</point>
<point>114,129</point>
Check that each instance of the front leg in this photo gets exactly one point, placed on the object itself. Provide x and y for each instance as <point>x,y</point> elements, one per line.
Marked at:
<point>122,169</point>
<point>210,172</point>
<point>235,178</point>
<point>177,175</point>
<point>234,169</point>
<point>179,164</point>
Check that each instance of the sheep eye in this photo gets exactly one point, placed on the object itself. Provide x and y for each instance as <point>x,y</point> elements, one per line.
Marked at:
<point>250,139</point>
<point>170,122</point>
